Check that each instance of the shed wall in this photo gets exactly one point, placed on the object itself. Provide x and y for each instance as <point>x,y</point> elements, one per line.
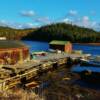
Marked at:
<point>67,47</point>
<point>13,56</point>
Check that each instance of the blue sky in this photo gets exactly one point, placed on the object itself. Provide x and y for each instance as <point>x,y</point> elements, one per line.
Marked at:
<point>33,13</point>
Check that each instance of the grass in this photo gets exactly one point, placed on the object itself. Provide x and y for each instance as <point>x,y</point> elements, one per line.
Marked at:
<point>19,94</point>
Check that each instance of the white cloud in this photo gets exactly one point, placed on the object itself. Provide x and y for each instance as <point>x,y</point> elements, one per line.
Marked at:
<point>43,20</point>
<point>36,22</point>
<point>28,13</point>
<point>85,18</point>
<point>3,23</point>
<point>24,25</point>
<point>29,25</point>
<point>85,21</point>
<point>72,13</point>
<point>74,18</point>
<point>67,20</point>
<point>18,25</point>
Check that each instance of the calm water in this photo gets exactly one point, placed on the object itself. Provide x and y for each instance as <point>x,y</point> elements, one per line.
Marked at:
<point>82,68</point>
<point>38,46</point>
<point>94,50</point>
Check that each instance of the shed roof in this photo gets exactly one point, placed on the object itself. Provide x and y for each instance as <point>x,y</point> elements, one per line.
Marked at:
<point>6,44</point>
<point>59,42</point>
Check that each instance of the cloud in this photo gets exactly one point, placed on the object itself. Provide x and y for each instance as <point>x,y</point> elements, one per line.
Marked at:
<point>36,22</point>
<point>24,25</point>
<point>67,20</point>
<point>3,23</point>
<point>84,21</point>
<point>43,20</point>
<point>72,13</point>
<point>29,13</point>
<point>18,25</point>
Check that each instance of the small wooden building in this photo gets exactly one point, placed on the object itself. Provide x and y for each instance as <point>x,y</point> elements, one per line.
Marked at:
<point>61,45</point>
<point>12,52</point>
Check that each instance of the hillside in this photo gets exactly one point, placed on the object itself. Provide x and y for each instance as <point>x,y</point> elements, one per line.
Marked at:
<point>59,31</point>
<point>14,34</point>
<point>62,31</point>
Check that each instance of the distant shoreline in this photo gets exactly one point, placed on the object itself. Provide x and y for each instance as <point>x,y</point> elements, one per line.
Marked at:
<point>93,44</point>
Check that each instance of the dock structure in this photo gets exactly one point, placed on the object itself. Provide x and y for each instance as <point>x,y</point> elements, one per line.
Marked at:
<point>22,72</point>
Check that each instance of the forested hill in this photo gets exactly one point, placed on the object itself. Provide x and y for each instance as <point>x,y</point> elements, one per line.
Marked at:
<point>14,34</point>
<point>64,31</point>
<point>59,31</point>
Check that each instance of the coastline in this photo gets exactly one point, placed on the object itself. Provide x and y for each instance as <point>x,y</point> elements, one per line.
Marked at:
<point>92,44</point>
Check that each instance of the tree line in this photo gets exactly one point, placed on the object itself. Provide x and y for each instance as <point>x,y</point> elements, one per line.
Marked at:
<point>14,34</point>
<point>56,31</point>
<point>63,31</point>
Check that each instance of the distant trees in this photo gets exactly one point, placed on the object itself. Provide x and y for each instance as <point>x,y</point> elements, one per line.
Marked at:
<point>14,34</point>
<point>59,31</point>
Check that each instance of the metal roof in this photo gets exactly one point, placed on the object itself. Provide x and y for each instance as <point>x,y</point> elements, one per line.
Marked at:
<point>6,44</point>
<point>59,42</point>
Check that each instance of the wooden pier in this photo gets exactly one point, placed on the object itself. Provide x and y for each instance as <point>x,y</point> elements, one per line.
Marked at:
<point>20,73</point>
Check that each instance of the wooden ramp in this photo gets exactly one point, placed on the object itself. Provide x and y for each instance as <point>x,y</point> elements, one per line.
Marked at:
<point>31,68</point>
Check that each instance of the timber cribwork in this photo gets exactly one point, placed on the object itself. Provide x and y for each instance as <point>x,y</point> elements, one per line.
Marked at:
<point>11,75</point>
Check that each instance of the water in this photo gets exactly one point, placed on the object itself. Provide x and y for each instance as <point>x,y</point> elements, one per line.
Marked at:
<point>83,68</point>
<point>38,46</point>
<point>94,50</point>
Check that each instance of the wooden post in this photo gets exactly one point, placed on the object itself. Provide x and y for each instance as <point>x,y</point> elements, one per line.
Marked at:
<point>2,86</point>
<point>21,56</point>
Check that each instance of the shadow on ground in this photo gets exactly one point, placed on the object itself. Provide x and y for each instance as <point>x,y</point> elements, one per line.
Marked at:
<point>86,84</point>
